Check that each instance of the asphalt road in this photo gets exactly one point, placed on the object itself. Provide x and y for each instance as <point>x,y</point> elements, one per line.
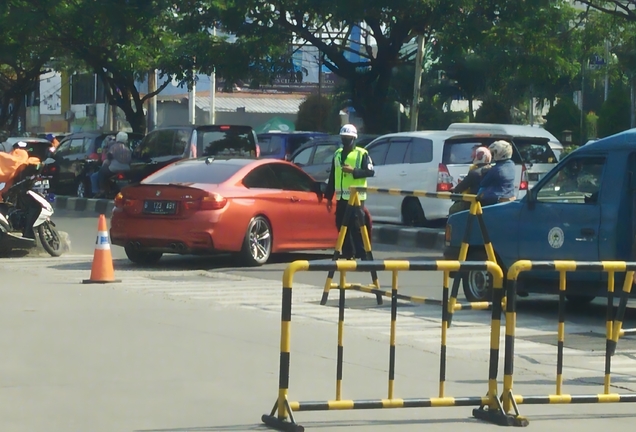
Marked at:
<point>192,344</point>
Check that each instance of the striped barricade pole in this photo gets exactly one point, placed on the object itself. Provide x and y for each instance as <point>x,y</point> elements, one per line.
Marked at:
<point>489,406</point>
<point>613,331</point>
<point>475,212</point>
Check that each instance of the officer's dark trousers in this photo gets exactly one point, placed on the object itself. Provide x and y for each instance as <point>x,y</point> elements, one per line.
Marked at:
<point>353,246</point>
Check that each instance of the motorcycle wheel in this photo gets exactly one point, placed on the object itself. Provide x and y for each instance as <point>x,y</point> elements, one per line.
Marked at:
<point>50,239</point>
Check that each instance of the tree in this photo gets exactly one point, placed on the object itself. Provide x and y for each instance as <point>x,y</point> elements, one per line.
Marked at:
<point>565,115</point>
<point>614,114</point>
<point>316,114</point>
<point>22,60</point>
<point>367,62</point>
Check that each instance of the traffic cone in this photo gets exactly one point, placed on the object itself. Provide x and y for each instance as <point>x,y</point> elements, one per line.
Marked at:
<point>102,270</point>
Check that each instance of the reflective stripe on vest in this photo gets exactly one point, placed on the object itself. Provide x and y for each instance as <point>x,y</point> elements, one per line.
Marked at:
<point>345,180</point>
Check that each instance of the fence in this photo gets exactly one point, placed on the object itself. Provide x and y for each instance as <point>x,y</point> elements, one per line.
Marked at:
<point>475,212</point>
<point>613,331</point>
<point>490,408</point>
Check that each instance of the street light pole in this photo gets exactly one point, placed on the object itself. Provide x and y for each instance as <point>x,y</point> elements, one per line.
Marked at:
<point>417,84</point>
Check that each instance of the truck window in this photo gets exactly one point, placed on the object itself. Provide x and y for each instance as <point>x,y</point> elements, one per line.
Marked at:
<point>577,182</point>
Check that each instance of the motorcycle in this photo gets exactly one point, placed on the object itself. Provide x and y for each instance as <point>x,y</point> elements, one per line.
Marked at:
<point>25,213</point>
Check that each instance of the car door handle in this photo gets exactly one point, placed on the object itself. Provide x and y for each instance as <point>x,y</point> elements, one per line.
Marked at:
<point>588,232</point>
<point>294,199</point>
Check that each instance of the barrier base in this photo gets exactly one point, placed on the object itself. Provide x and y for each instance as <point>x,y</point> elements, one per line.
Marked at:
<point>499,418</point>
<point>281,425</point>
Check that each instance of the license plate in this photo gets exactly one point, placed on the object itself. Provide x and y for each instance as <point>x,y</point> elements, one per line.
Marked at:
<point>160,207</point>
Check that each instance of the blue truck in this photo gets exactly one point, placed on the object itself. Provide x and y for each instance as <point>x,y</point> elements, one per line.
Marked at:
<point>584,209</point>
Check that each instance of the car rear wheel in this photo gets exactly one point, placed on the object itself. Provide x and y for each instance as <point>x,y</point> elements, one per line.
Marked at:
<point>257,245</point>
<point>412,213</point>
<point>477,285</point>
<point>142,257</point>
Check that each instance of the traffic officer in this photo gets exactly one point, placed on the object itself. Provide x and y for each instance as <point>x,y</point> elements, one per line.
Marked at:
<point>351,166</point>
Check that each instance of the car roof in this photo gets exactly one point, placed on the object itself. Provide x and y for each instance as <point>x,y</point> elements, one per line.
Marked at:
<point>625,140</point>
<point>509,129</point>
<point>274,132</point>
<point>13,140</point>
<point>231,161</point>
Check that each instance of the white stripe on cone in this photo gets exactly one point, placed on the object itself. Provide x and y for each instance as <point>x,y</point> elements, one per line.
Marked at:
<point>103,241</point>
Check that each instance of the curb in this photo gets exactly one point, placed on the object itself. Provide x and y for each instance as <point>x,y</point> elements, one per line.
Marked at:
<point>418,238</point>
<point>96,206</point>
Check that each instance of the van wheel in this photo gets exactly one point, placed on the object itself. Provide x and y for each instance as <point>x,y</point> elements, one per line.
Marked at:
<point>412,213</point>
<point>477,284</point>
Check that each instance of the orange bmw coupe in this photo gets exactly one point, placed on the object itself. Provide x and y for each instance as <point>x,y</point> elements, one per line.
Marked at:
<point>250,207</point>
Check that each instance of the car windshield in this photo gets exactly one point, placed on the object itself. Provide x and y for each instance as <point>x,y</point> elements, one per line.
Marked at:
<point>536,152</point>
<point>197,172</point>
<point>227,141</point>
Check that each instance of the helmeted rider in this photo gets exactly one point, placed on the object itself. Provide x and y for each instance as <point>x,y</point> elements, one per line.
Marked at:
<point>498,184</point>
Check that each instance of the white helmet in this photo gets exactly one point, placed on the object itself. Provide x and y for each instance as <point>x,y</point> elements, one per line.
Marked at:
<point>349,130</point>
<point>122,137</point>
<point>501,150</point>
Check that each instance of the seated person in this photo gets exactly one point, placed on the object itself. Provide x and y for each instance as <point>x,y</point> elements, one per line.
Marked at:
<point>470,183</point>
<point>120,161</point>
<point>498,184</point>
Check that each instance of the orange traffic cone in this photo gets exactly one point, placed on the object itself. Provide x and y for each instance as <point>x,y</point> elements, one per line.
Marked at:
<point>102,270</point>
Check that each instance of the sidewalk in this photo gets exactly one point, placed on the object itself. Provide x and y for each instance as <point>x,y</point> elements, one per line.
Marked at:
<point>420,238</point>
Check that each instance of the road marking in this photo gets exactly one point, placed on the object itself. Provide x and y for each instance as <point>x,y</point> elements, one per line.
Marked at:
<point>418,325</point>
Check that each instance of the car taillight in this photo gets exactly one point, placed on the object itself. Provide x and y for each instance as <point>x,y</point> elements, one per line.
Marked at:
<point>213,201</point>
<point>444,179</point>
<point>120,176</point>
<point>121,202</point>
<point>523,185</point>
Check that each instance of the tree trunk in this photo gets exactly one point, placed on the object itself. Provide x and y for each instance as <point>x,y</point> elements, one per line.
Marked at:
<point>471,112</point>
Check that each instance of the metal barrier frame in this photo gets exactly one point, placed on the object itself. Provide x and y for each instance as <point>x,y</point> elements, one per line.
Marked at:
<point>490,408</point>
<point>613,330</point>
<point>475,212</point>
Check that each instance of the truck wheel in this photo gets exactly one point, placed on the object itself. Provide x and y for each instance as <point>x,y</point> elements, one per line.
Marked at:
<point>477,284</point>
<point>412,213</point>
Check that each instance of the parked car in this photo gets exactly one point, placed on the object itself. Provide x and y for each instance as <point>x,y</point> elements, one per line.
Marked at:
<point>76,158</point>
<point>582,210</point>
<point>510,129</point>
<point>37,147</point>
<point>250,207</point>
<point>163,146</point>
<point>315,156</point>
<point>432,161</point>
<point>281,145</point>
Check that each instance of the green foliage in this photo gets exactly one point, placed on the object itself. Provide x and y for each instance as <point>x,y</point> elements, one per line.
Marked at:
<point>433,117</point>
<point>614,114</point>
<point>493,111</point>
<point>591,122</point>
<point>316,113</point>
<point>565,115</point>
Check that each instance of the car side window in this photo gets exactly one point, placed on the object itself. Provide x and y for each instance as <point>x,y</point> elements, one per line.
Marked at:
<point>324,154</point>
<point>76,146</point>
<point>577,182</point>
<point>261,177</point>
<point>294,142</point>
<point>181,141</point>
<point>420,151</point>
<point>302,158</point>
<point>292,178</point>
<point>378,151</point>
<point>63,148</point>
<point>397,152</point>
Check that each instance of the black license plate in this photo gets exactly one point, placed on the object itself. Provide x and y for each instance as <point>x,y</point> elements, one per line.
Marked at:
<point>160,207</point>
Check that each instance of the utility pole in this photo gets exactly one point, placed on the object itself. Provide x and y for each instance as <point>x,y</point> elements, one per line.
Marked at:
<point>607,47</point>
<point>417,84</point>
<point>152,102</point>
<point>213,88</point>
<point>192,106</point>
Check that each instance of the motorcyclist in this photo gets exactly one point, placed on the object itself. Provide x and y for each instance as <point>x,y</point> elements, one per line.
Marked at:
<point>12,164</point>
<point>470,183</point>
<point>119,156</point>
<point>498,184</point>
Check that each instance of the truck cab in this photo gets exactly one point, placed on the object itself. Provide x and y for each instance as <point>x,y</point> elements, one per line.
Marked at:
<point>582,210</point>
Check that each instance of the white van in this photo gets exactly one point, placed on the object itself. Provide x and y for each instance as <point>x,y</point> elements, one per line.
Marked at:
<point>431,161</point>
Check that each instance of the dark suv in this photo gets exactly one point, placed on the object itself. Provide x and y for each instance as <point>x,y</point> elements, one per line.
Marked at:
<point>164,146</point>
<point>76,158</point>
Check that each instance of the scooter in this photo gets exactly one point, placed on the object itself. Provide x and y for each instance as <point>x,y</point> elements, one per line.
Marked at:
<point>25,213</point>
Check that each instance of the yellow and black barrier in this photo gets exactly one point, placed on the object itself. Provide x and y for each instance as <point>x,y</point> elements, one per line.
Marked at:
<point>613,331</point>
<point>475,212</point>
<point>490,408</point>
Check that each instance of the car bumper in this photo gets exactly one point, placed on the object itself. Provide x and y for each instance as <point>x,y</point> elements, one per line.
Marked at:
<point>190,235</point>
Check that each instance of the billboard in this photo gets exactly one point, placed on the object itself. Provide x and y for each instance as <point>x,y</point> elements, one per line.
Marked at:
<point>51,93</point>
